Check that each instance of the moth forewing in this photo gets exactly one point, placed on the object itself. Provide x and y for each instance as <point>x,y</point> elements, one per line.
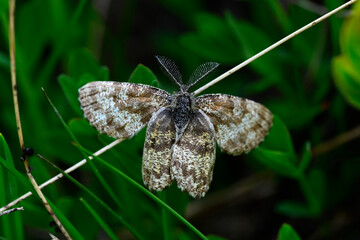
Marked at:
<point>157,154</point>
<point>120,109</point>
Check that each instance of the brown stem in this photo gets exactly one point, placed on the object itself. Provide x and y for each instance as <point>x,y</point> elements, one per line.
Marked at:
<point>17,115</point>
<point>336,141</point>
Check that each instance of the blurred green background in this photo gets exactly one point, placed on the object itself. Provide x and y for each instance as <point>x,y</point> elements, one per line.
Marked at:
<point>296,176</point>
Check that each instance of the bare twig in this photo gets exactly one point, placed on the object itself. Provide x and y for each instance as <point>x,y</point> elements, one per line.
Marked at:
<point>53,237</point>
<point>268,49</point>
<point>13,69</point>
<point>57,177</point>
<point>336,141</point>
<point>11,210</point>
<point>17,115</point>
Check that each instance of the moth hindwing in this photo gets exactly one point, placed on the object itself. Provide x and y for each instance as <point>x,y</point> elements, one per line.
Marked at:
<point>182,130</point>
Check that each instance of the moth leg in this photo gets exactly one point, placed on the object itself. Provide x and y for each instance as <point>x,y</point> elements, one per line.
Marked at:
<point>193,156</point>
<point>160,137</point>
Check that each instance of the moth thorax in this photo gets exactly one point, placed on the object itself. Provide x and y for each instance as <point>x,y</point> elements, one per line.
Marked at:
<point>182,109</point>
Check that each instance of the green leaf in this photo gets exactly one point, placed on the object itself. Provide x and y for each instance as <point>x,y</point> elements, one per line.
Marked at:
<point>144,75</point>
<point>70,89</point>
<point>306,158</point>
<point>213,33</point>
<point>11,224</point>
<point>294,114</point>
<point>86,78</point>
<point>277,151</point>
<point>345,68</point>
<point>350,37</point>
<point>82,126</point>
<point>347,80</point>
<point>279,162</point>
<point>4,7</point>
<point>7,162</point>
<point>104,73</point>
<point>317,182</point>
<point>183,8</point>
<point>82,62</point>
<point>253,40</point>
<point>65,222</point>
<point>279,139</point>
<point>294,209</point>
<point>286,232</point>
<point>4,61</point>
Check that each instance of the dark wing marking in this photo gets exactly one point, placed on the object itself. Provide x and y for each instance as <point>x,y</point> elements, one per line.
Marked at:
<point>120,109</point>
<point>160,137</point>
<point>240,124</point>
<point>193,156</point>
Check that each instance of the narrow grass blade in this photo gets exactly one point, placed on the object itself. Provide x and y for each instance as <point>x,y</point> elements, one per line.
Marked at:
<point>98,218</point>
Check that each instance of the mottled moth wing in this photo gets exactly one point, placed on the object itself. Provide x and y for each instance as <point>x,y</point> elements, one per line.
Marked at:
<point>160,137</point>
<point>194,156</point>
<point>240,124</point>
<point>120,109</point>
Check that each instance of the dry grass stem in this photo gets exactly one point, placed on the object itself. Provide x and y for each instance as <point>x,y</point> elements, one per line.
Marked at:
<point>60,175</point>
<point>336,142</point>
<point>17,115</point>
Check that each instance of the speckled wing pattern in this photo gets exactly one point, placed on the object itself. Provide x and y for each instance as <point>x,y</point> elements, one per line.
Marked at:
<point>240,124</point>
<point>157,154</point>
<point>120,109</point>
<point>193,156</point>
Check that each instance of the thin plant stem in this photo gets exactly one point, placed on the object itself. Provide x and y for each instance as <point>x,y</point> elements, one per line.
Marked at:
<point>17,116</point>
<point>11,210</point>
<point>336,141</point>
<point>93,195</point>
<point>164,217</point>
<point>60,175</point>
<point>271,47</point>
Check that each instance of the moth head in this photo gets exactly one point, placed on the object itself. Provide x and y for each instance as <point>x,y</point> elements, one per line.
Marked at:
<point>172,71</point>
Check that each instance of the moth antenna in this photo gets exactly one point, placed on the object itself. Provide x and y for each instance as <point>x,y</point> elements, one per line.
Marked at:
<point>201,72</point>
<point>170,69</point>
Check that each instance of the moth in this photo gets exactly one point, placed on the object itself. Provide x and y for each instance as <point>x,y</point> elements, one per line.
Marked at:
<point>182,129</point>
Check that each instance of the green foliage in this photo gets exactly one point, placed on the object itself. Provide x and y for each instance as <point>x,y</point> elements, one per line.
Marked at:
<point>143,75</point>
<point>62,45</point>
<point>11,225</point>
<point>286,232</point>
<point>346,66</point>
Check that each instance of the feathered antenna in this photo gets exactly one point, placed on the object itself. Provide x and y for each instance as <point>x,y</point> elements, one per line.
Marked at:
<point>171,70</point>
<point>201,72</point>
